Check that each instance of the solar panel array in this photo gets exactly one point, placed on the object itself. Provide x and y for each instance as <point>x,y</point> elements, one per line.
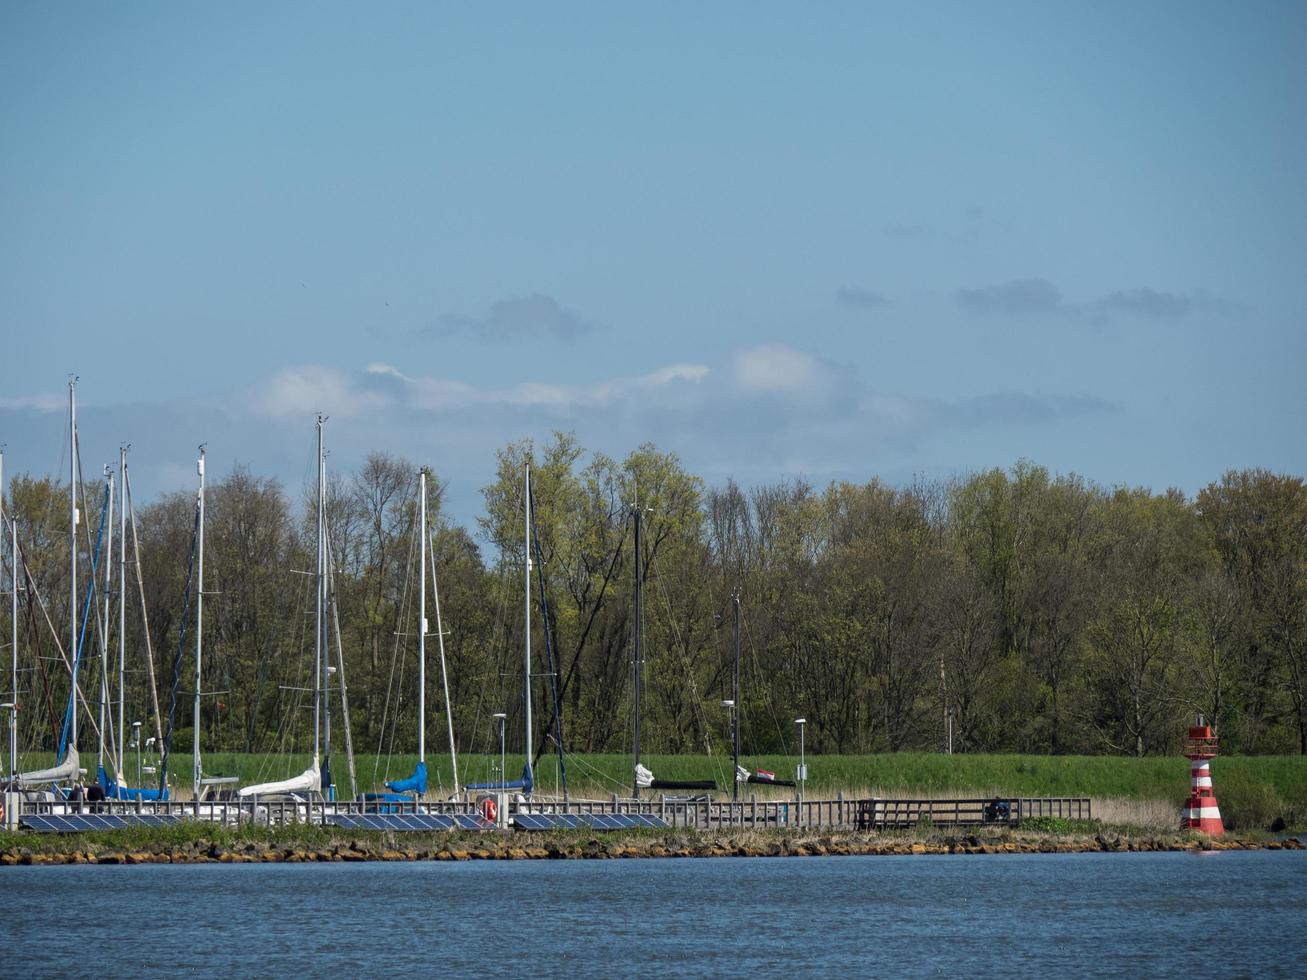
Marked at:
<point>586,821</point>
<point>410,821</point>
<point>76,823</point>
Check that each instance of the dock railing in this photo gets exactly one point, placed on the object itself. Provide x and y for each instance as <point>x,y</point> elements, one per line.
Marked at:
<point>691,813</point>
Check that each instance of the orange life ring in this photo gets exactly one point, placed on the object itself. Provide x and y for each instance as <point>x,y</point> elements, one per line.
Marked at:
<point>489,810</point>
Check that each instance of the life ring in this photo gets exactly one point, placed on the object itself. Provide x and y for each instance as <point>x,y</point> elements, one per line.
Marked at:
<point>489,810</point>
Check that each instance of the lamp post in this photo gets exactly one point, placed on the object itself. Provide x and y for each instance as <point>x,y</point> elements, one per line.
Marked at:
<point>503,783</point>
<point>803,764</point>
<point>735,755</point>
<point>136,744</point>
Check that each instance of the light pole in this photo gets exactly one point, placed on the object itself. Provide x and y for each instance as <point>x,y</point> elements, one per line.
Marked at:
<point>735,755</point>
<point>503,783</point>
<point>803,765</point>
<point>136,744</point>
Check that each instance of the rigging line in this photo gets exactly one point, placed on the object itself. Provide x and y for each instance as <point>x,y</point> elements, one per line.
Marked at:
<point>765,688</point>
<point>393,686</point>
<point>340,667</point>
<point>687,662</point>
<point>177,660</point>
<point>548,628</point>
<point>81,641</point>
<point>34,592</point>
<point>145,618</point>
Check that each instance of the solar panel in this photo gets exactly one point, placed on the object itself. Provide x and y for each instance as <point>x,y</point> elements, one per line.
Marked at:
<point>76,823</point>
<point>590,821</point>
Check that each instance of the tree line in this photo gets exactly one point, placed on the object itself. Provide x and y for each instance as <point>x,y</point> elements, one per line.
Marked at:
<point>1010,610</point>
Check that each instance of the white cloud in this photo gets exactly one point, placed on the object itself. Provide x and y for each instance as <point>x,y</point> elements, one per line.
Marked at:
<point>775,368</point>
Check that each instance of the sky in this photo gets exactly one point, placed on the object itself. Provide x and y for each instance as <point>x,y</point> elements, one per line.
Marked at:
<point>826,241</point>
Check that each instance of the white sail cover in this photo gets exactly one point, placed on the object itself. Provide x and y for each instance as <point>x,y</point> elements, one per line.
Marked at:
<point>70,769</point>
<point>741,774</point>
<point>643,777</point>
<point>307,781</point>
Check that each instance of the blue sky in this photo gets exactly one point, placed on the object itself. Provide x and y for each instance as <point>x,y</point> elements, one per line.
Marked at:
<point>821,240</point>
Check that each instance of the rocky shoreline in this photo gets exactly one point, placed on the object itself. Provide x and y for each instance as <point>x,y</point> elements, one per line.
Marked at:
<point>522,847</point>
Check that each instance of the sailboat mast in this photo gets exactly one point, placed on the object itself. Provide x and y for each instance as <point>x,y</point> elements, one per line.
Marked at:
<point>526,676</point>
<point>638,624</point>
<point>104,623</point>
<point>199,633</point>
<point>13,648</point>
<point>317,618</point>
<point>422,615</point>
<point>735,734</point>
<point>72,546</point>
<point>122,608</point>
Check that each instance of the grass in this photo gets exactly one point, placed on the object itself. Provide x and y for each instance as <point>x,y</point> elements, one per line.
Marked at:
<point>1253,791</point>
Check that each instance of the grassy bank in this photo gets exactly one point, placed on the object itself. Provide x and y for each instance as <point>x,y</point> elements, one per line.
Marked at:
<point>203,844</point>
<point>1254,791</point>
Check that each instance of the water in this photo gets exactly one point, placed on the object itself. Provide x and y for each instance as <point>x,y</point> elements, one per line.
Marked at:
<point>1168,914</point>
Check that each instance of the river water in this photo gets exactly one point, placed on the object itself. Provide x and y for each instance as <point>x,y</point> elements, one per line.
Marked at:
<point>1235,913</point>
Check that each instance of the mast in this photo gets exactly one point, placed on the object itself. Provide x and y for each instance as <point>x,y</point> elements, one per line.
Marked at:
<point>526,595</point>
<point>104,621</point>
<point>199,633</point>
<point>735,734</point>
<point>317,618</point>
<point>422,615</point>
<point>122,610</point>
<point>72,545</point>
<point>637,618</point>
<point>13,648</point>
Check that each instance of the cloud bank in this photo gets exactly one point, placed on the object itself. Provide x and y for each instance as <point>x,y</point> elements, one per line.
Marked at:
<point>1033,296</point>
<point>533,317</point>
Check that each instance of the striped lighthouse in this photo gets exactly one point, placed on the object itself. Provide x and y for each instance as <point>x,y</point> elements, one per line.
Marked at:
<point>1201,812</point>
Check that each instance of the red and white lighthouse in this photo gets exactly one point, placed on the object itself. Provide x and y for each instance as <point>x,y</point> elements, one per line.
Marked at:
<point>1201,812</point>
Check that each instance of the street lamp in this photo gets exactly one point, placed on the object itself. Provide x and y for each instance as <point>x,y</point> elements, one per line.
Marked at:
<point>735,774</point>
<point>503,782</point>
<point>136,744</point>
<point>803,765</point>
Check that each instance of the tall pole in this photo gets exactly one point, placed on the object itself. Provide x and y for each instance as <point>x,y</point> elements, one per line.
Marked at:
<point>638,625</point>
<point>317,617</point>
<point>526,676</point>
<point>199,633</point>
<point>72,547</point>
<point>735,710</point>
<point>503,779</point>
<point>13,649</point>
<point>422,615</point>
<point>803,762</point>
<point>104,623</point>
<point>122,614</point>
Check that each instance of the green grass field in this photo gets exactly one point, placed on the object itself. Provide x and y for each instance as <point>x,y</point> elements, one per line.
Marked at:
<point>1253,791</point>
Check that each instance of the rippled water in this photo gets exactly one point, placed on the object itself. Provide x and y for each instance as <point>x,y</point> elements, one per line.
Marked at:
<point>1170,914</point>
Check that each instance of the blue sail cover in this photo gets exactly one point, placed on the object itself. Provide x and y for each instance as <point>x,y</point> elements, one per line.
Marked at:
<point>525,784</point>
<point>416,783</point>
<point>112,791</point>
